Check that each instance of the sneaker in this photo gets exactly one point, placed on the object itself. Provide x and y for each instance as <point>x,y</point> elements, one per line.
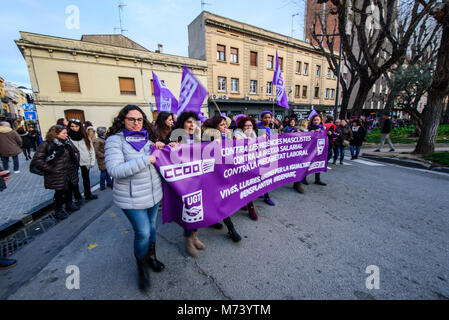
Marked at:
<point>91,197</point>
<point>71,207</point>
<point>269,201</point>
<point>377,150</point>
<point>329,168</point>
<point>17,171</point>
<point>102,188</point>
<point>392,150</point>
<point>7,263</point>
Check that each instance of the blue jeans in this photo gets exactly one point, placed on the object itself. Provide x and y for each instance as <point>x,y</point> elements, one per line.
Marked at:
<point>15,160</point>
<point>105,179</point>
<point>355,151</point>
<point>144,226</point>
<point>339,150</point>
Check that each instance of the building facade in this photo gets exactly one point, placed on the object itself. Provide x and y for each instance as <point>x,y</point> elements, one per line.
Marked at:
<point>93,78</point>
<point>241,61</point>
<point>12,99</point>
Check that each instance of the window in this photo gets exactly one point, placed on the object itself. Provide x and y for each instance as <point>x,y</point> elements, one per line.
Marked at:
<point>334,76</point>
<point>221,84</point>
<point>234,85</point>
<point>253,59</point>
<point>306,69</point>
<point>327,93</point>
<point>127,86</point>
<point>281,63</point>
<point>304,91</point>
<point>74,114</point>
<point>221,52</point>
<point>270,62</point>
<point>269,88</point>
<point>332,93</point>
<point>152,87</point>
<point>298,67</point>
<point>317,92</point>
<point>69,82</point>
<point>328,73</point>
<point>234,55</point>
<point>318,70</point>
<point>297,91</point>
<point>253,86</point>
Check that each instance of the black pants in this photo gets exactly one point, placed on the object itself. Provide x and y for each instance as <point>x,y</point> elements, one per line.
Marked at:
<point>27,153</point>
<point>86,181</point>
<point>64,196</point>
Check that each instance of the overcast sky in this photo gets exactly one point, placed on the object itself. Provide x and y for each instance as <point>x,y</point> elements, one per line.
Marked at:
<point>148,22</point>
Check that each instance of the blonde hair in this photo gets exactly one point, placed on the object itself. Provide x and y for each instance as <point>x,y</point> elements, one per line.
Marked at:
<point>303,124</point>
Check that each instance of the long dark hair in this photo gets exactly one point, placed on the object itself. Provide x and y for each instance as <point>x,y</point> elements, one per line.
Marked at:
<point>160,121</point>
<point>214,122</point>
<point>82,130</point>
<point>118,124</point>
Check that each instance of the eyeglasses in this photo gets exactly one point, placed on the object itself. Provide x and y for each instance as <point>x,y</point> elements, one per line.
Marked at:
<point>248,126</point>
<point>134,119</point>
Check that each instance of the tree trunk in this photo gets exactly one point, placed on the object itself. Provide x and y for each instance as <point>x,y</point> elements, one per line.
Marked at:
<point>360,99</point>
<point>438,90</point>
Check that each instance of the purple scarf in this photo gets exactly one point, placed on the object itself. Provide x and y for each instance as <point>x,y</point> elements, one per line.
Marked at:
<point>137,139</point>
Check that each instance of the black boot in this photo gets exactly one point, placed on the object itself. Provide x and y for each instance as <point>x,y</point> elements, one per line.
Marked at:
<point>144,275</point>
<point>318,180</point>
<point>71,207</point>
<point>155,264</point>
<point>231,230</point>
<point>217,226</point>
<point>91,197</point>
<point>60,214</point>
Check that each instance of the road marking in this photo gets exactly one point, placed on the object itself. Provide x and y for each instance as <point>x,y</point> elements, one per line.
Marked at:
<point>368,163</point>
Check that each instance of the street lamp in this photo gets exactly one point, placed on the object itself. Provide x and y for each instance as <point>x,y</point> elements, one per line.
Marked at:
<point>339,73</point>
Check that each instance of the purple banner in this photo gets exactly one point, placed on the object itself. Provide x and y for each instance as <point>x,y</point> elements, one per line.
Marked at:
<point>204,183</point>
<point>281,95</point>
<point>192,93</point>
<point>165,100</point>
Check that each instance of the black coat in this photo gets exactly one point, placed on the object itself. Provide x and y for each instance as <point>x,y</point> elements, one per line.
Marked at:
<point>27,141</point>
<point>342,134</point>
<point>358,136</point>
<point>386,126</point>
<point>62,169</point>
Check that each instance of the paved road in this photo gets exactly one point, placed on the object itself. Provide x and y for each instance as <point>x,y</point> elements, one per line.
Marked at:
<point>312,246</point>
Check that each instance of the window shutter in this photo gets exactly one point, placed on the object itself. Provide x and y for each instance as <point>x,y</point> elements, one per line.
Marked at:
<point>69,82</point>
<point>127,85</point>
<point>254,59</point>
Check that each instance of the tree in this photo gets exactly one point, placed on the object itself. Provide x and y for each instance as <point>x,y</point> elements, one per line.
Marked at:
<point>383,29</point>
<point>439,88</point>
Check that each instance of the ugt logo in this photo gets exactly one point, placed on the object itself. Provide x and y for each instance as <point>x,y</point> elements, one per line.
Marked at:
<point>320,146</point>
<point>192,210</point>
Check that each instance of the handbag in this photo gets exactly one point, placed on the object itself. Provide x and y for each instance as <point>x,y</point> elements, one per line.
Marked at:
<point>34,169</point>
<point>346,143</point>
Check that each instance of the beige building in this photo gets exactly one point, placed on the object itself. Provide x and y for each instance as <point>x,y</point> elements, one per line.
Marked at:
<point>93,78</point>
<point>241,60</point>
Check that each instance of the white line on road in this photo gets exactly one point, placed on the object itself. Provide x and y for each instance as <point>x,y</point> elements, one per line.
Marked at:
<point>368,163</point>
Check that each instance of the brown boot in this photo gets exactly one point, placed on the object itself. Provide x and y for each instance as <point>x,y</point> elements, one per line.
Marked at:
<point>191,249</point>
<point>298,187</point>
<point>197,243</point>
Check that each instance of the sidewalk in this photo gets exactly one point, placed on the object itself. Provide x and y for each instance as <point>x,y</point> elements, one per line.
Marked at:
<point>26,191</point>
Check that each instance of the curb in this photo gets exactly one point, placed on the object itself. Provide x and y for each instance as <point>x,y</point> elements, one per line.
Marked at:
<point>31,216</point>
<point>407,163</point>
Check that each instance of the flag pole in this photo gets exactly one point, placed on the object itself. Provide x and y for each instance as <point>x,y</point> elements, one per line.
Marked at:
<point>274,98</point>
<point>216,106</point>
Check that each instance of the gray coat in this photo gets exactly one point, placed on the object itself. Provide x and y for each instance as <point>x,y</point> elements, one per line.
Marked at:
<point>137,184</point>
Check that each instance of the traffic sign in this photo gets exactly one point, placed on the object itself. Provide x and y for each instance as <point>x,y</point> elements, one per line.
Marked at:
<point>30,115</point>
<point>28,107</point>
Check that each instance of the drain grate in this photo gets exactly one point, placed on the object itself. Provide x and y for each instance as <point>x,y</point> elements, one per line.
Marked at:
<point>18,240</point>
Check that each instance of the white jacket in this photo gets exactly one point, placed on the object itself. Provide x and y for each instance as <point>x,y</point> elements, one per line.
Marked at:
<point>87,157</point>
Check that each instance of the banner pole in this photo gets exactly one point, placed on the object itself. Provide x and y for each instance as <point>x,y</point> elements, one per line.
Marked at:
<point>216,106</point>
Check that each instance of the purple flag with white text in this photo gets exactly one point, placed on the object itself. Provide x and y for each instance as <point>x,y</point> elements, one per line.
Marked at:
<point>281,95</point>
<point>165,100</point>
<point>192,93</point>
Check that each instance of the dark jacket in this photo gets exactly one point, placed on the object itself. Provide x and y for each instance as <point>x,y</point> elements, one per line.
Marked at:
<point>63,168</point>
<point>386,126</point>
<point>27,141</point>
<point>99,144</point>
<point>359,136</point>
<point>343,133</point>
<point>34,135</point>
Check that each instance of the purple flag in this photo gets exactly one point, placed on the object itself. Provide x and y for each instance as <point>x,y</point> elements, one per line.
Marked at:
<point>281,95</point>
<point>312,114</point>
<point>165,100</point>
<point>204,183</point>
<point>192,93</point>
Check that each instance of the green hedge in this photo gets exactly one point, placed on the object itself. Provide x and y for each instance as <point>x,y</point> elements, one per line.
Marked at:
<point>401,135</point>
<point>439,157</point>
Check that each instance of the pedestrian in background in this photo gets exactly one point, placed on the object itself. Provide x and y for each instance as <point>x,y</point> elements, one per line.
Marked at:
<point>58,158</point>
<point>84,144</point>
<point>27,142</point>
<point>62,122</point>
<point>343,137</point>
<point>35,137</point>
<point>291,126</point>
<point>359,134</point>
<point>99,145</point>
<point>137,184</point>
<point>10,146</point>
<point>385,133</point>
<point>90,129</point>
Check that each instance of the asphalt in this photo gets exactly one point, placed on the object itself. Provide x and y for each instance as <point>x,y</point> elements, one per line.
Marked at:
<point>312,246</point>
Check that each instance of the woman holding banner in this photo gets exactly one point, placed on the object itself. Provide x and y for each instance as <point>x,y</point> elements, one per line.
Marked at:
<point>265,129</point>
<point>137,185</point>
<point>186,132</point>
<point>245,130</point>
<point>316,125</point>
<point>160,131</point>
<point>216,129</point>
